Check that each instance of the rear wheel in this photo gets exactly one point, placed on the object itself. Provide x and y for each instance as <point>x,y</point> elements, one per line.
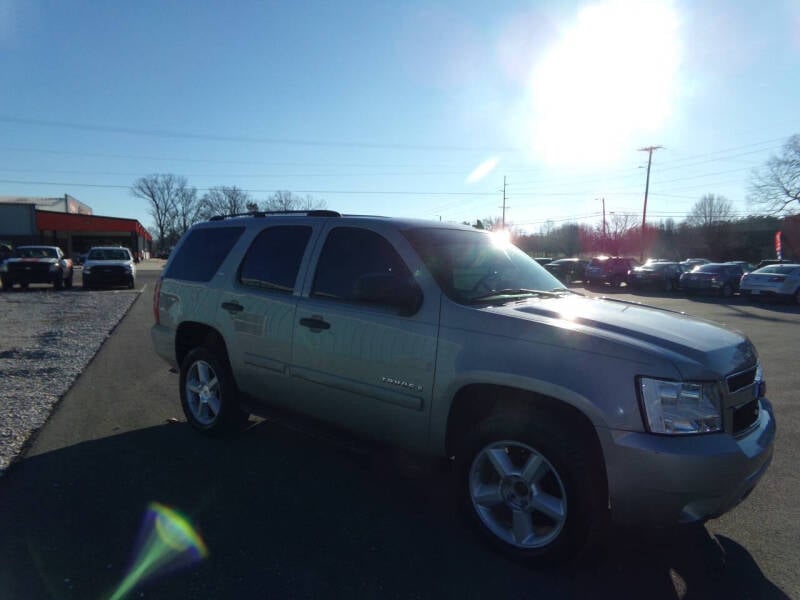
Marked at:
<point>208,393</point>
<point>726,291</point>
<point>797,296</point>
<point>531,490</point>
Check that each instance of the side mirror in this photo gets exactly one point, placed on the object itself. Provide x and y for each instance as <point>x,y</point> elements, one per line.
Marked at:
<point>388,289</point>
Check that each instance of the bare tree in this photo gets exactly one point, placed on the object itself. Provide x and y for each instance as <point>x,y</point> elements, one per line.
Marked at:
<point>161,192</point>
<point>711,216</point>
<point>187,209</point>
<point>710,209</point>
<point>285,200</point>
<point>224,200</point>
<point>776,186</point>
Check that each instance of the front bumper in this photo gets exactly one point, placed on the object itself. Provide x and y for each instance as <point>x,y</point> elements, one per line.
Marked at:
<point>659,479</point>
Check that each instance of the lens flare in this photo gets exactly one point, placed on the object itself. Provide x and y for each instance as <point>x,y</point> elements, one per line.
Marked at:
<point>482,170</point>
<point>167,542</point>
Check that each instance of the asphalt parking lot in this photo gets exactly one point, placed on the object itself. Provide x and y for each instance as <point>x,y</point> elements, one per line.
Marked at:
<point>290,513</point>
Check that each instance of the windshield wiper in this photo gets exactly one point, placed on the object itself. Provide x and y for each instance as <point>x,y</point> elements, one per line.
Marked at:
<point>512,292</point>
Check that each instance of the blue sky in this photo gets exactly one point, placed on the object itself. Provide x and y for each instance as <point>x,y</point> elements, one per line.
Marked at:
<point>389,107</point>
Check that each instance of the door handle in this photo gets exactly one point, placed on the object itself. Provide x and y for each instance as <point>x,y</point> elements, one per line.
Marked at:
<point>315,323</point>
<point>232,307</point>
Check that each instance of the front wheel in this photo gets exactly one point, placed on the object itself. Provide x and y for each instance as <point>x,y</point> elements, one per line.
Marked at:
<point>726,291</point>
<point>530,490</point>
<point>209,397</point>
<point>68,280</point>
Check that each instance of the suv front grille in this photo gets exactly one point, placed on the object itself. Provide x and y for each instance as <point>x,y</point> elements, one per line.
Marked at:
<point>28,268</point>
<point>738,381</point>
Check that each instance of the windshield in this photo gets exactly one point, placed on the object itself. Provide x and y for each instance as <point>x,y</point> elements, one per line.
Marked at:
<point>778,269</point>
<point>35,253</point>
<point>473,266</point>
<point>109,254</point>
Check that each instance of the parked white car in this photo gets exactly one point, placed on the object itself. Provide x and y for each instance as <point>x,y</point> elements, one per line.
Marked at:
<point>781,281</point>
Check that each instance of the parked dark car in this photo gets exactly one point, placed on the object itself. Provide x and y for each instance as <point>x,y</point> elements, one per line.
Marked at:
<point>568,270</point>
<point>612,270</point>
<point>718,278</point>
<point>660,275</point>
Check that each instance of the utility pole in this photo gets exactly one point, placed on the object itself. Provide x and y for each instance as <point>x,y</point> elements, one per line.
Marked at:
<point>603,249</point>
<point>649,150</point>
<point>504,203</point>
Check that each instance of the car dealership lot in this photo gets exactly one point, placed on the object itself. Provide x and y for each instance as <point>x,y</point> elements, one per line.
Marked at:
<point>312,513</point>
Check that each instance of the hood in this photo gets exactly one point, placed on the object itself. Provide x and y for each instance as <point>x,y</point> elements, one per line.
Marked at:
<point>16,259</point>
<point>697,348</point>
<point>107,263</point>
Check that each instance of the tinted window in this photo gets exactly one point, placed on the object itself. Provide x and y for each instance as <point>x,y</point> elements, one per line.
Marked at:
<point>348,255</point>
<point>273,260</point>
<point>202,253</point>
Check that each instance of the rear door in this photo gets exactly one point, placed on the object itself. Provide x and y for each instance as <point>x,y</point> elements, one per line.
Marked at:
<point>257,312</point>
<point>363,365</point>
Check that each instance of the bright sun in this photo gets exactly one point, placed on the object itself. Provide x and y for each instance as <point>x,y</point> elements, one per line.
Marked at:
<point>610,78</point>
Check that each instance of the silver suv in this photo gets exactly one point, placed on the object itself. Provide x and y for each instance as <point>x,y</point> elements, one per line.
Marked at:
<point>562,412</point>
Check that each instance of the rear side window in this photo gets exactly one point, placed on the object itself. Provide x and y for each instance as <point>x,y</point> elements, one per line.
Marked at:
<point>350,253</point>
<point>202,253</point>
<point>274,258</point>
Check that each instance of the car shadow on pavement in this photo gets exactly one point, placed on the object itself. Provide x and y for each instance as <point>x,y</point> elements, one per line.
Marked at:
<point>286,514</point>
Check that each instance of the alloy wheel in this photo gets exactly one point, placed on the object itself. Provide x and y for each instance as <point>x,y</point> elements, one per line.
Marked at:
<point>203,394</point>
<point>518,494</point>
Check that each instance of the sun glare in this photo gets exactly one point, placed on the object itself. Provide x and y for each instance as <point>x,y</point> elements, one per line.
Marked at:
<point>611,77</point>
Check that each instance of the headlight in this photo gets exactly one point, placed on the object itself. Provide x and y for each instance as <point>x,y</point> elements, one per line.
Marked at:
<point>87,270</point>
<point>679,408</point>
<point>54,267</point>
<point>128,268</point>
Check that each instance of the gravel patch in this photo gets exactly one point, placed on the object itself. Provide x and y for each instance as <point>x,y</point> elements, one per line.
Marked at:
<point>46,340</point>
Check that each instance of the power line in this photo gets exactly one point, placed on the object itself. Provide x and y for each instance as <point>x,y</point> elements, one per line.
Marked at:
<point>259,191</point>
<point>166,133</point>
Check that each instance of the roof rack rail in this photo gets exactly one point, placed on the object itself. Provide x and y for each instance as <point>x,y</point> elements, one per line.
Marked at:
<point>264,213</point>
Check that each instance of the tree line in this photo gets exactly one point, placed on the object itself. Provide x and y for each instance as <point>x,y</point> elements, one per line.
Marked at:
<point>175,206</point>
<point>709,230</point>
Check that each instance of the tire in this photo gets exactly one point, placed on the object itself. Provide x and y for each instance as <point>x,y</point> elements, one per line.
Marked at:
<point>726,291</point>
<point>532,488</point>
<point>68,280</point>
<point>7,284</point>
<point>58,282</point>
<point>209,397</point>
<point>797,296</point>
<point>131,283</point>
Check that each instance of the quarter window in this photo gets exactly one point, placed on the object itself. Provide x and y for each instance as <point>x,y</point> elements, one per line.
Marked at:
<point>274,258</point>
<point>350,254</point>
<point>202,253</point>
